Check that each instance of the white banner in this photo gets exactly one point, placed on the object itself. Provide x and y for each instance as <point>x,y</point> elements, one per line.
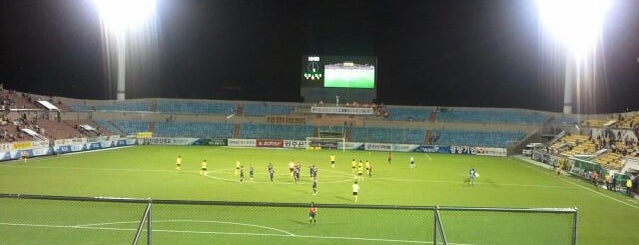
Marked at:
<point>629,163</point>
<point>404,147</point>
<point>488,151</point>
<point>295,144</point>
<point>6,147</point>
<point>40,144</point>
<point>242,142</point>
<point>350,145</point>
<point>342,110</point>
<point>378,147</point>
<point>170,141</point>
<point>70,141</point>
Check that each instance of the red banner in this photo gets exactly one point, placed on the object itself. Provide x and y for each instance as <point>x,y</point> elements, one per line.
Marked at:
<point>270,143</point>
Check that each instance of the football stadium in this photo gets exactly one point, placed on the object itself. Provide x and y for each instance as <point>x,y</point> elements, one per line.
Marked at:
<point>343,161</point>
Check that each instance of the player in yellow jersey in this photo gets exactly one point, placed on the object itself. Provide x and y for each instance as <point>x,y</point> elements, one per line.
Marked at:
<point>360,173</point>
<point>24,155</point>
<point>237,167</point>
<point>353,165</point>
<point>332,160</point>
<point>178,163</point>
<point>203,170</point>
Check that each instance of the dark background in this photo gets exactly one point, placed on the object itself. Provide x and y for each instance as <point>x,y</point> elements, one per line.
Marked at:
<point>476,53</point>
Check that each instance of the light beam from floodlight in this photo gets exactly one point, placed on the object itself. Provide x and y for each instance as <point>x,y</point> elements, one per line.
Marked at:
<point>118,18</point>
<point>576,23</point>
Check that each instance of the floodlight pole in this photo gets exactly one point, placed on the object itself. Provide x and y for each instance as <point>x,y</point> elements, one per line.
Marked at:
<point>568,84</point>
<point>121,50</point>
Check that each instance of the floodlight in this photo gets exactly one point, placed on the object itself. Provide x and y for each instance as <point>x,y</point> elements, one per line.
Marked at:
<point>120,15</point>
<point>577,23</point>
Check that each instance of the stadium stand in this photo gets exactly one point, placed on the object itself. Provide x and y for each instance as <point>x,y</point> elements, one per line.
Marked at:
<point>408,114</point>
<point>387,135</point>
<point>490,116</point>
<point>610,160</point>
<point>112,105</point>
<point>275,131</point>
<point>264,109</point>
<point>194,129</point>
<point>574,144</point>
<point>475,138</point>
<point>195,107</point>
<point>128,127</point>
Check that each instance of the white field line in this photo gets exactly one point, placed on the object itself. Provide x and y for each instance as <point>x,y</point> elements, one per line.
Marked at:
<point>458,182</point>
<point>228,233</point>
<point>427,156</point>
<point>632,205</point>
<point>191,221</point>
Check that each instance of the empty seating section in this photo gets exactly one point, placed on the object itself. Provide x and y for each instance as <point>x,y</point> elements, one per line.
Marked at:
<point>596,122</point>
<point>490,116</point>
<point>574,144</point>
<point>127,126</point>
<point>108,126</point>
<point>387,135</point>
<point>113,105</point>
<point>409,114</point>
<point>275,131</point>
<point>475,138</point>
<point>194,129</point>
<point>264,109</point>
<point>195,107</point>
<point>610,160</point>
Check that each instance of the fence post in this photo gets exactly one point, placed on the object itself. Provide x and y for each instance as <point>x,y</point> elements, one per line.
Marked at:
<point>148,223</point>
<point>574,227</point>
<point>435,225</point>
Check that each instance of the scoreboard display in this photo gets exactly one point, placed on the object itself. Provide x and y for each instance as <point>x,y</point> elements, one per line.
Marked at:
<point>339,71</point>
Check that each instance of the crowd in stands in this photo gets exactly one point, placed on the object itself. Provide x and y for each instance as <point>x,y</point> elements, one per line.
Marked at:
<point>617,143</point>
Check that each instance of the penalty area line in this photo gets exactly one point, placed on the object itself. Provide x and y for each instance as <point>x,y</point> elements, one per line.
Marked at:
<point>230,233</point>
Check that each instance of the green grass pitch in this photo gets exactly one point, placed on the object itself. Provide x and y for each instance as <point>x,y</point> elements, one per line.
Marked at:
<point>438,179</point>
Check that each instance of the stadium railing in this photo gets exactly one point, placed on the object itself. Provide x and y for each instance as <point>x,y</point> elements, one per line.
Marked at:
<point>37,219</point>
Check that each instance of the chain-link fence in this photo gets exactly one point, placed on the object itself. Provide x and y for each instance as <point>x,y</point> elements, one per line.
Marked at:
<point>72,220</point>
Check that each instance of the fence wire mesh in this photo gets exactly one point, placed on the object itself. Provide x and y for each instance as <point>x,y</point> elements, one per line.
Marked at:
<point>68,220</point>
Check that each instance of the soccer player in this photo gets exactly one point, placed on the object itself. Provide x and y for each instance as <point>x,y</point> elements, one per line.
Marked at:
<point>314,186</point>
<point>355,191</point>
<point>296,174</point>
<point>310,171</point>
<point>332,160</point>
<point>369,169</point>
<point>390,156</point>
<point>412,162</point>
<point>360,173</point>
<point>291,167</point>
<point>24,155</point>
<point>271,171</point>
<point>203,170</point>
<point>314,172</point>
<point>241,174</point>
<point>237,167</point>
<point>472,176</point>
<point>251,172</point>
<point>312,212</point>
<point>353,165</point>
<point>178,163</point>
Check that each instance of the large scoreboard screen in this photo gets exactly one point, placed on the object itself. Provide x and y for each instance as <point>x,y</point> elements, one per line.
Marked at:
<point>339,71</point>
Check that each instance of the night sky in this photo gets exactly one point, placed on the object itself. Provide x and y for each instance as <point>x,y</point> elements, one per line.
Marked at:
<point>475,53</point>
